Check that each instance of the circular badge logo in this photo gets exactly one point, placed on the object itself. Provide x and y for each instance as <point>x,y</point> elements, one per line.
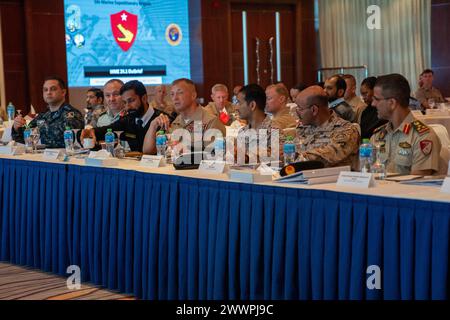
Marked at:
<point>174,34</point>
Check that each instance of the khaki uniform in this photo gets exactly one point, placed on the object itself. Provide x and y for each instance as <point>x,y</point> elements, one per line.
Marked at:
<point>167,108</point>
<point>335,143</point>
<point>208,122</point>
<point>211,108</point>
<point>283,119</point>
<point>423,95</point>
<point>358,107</point>
<point>412,146</point>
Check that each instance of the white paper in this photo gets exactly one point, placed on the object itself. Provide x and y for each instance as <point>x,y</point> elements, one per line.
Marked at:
<point>152,161</point>
<point>446,186</point>
<point>51,154</point>
<point>212,166</point>
<point>356,180</point>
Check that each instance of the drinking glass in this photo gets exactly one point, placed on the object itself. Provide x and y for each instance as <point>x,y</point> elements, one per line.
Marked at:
<point>35,136</point>
<point>119,150</point>
<point>76,145</point>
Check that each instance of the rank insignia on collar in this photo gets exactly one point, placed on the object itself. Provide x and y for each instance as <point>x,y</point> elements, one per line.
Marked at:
<point>420,127</point>
<point>70,115</point>
<point>404,145</point>
<point>407,128</point>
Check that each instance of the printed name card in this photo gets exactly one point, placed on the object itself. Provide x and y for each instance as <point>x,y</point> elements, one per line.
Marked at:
<point>417,113</point>
<point>152,161</point>
<point>356,180</point>
<point>51,154</point>
<point>446,186</point>
<point>12,150</point>
<point>212,166</point>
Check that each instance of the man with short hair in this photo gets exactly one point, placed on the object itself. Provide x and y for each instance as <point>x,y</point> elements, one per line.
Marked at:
<point>220,106</point>
<point>160,102</point>
<point>335,88</point>
<point>113,103</point>
<point>94,106</point>
<point>54,121</point>
<point>277,98</point>
<point>326,137</point>
<point>183,95</point>
<point>368,119</point>
<point>136,118</point>
<point>350,96</point>
<point>406,145</point>
<point>296,90</point>
<point>426,92</point>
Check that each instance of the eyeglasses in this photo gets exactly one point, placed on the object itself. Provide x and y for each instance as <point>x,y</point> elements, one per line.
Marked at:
<point>381,99</point>
<point>300,110</point>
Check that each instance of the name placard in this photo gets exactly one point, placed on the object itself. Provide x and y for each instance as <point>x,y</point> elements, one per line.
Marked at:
<point>212,166</point>
<point>12,150</point>
<point>446,186</point>
<point>152,161</point>
<point>356,180</point>
<point>51,154</point>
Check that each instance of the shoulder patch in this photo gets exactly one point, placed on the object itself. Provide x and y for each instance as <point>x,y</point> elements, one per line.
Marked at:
<point>420,127</point>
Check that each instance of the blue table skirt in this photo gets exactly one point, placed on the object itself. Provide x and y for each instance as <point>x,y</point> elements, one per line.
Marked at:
<point>168,237</point>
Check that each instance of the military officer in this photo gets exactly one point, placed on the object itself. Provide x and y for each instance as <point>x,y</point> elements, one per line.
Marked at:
<point>54,121</point>
<point>184,95</point>
<point>324,136</point>
<point>405,144</point>
<point>220,106</point>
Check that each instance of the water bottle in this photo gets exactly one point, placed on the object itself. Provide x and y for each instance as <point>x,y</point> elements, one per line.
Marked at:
<point>28,140</point>
<point>378,167</point>
<point>68,141</point>
<point>109,141</point>
<point>11,110</point>
<point>219,149</point>
<point>161,143</point>
<point>365,156</point>
<point>289,150</point>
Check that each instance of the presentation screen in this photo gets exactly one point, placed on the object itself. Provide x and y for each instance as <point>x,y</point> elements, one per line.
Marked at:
<point>147,40</point>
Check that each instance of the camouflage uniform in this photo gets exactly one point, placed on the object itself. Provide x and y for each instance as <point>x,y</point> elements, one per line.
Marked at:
<point>335,143</point>
<point>93,115</point>
<point>267,125</point>
<point>107,118</point>
<point>211,108</point>
<point>52,125</point>
<point>343,109</point>
<point>412,146</point>
<point>283,119</point>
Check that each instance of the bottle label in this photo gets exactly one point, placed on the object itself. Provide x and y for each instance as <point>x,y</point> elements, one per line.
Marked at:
<point>365,152</point>
<point>26,134</point>
<point>161,140</point>
<point>109,138</point>
<point>289,148</point>
<point>68,135</point>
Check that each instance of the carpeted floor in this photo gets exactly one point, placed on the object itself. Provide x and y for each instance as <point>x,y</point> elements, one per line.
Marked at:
<point>18,283</point>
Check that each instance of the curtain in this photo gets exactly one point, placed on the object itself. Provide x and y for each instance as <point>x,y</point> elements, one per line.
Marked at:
<point>402,45</point>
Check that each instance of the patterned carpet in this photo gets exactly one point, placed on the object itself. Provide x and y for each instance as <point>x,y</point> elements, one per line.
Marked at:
<point>17,283</point>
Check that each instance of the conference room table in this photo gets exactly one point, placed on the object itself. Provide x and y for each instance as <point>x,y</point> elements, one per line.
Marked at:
<point>182,235</point>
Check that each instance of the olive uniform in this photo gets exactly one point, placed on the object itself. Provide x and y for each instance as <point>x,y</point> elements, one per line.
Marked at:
<point>412,146</point>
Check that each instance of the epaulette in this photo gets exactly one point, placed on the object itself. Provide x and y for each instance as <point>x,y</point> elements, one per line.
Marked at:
<point>420,127</point>
<point>380,128</point>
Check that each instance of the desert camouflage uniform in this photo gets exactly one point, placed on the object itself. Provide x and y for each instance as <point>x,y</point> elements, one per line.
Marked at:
<point>335,143</point>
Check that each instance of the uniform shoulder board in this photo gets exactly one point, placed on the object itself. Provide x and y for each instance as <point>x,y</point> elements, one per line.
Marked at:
<point>380,128</point>
<point>420,127</point>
